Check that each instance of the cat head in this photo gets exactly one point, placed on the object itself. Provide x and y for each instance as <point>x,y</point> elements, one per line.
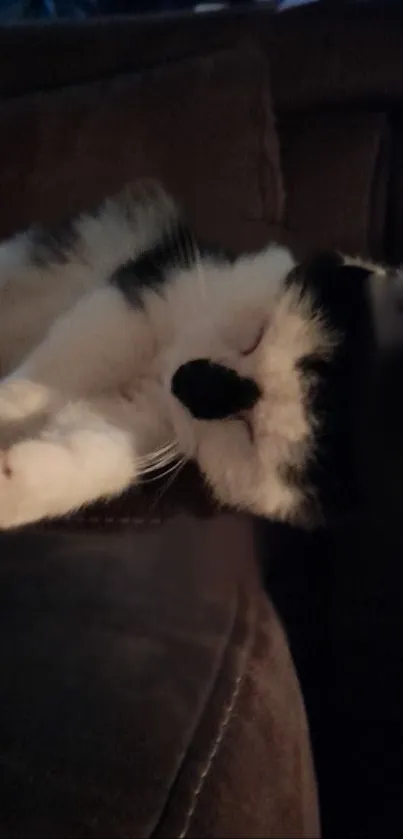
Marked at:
<point>264,384</point>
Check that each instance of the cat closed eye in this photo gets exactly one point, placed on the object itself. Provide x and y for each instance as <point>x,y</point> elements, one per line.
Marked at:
<point>258,340</point>
<point>247,424</point>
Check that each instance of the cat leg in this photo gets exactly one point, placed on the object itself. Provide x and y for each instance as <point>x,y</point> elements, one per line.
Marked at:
<point>33,295</point>
<point>80,456</point>
<point>95,346</point>
<point>43,273</point>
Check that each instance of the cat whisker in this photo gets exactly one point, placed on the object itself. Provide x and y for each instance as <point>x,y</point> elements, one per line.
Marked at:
<point>155,455</point>
<point>158,460</point>
<point>168,457</point>
<point>172,468</point>
<point>169,482</point>
<point>158,465</point>
<point>201,280</point>
<point>187,251</point>
<point>193,257</point>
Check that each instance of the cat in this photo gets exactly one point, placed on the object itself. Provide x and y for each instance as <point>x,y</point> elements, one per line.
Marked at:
<point>126,347</point>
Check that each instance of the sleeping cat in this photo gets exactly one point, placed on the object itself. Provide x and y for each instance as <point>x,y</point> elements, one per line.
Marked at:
<point>126,347</point>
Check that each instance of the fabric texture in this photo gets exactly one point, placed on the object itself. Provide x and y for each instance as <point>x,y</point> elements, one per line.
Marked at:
<point>147,689</point>
<point>336,173</point>
<point>69,53</point>
<point>336,54</point>
<point>211,116</point>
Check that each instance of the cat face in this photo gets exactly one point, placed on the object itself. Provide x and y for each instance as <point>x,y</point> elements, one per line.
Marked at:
<point>239,381</point>
<point>263,396</point>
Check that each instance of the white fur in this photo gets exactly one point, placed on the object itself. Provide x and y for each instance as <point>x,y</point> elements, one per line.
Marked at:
<point>86,406</point>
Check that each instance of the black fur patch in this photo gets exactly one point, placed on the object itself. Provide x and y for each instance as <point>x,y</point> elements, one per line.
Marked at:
<point>150,270</point>
<point>213,392</point>
<point>177,249</point>
<point>53,247</point>
<point>308,512</point>
<point>337,289</point>
<point>312,366</point>
<point>340,292</point>
<point>293,476</point>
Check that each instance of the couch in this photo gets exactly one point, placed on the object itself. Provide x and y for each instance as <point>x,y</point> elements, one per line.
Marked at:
<point>147,683</point>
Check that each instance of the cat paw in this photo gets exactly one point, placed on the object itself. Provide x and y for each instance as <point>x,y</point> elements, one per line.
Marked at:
<point>23,409</point>
<point>20,398</point>
<point>22,496</point>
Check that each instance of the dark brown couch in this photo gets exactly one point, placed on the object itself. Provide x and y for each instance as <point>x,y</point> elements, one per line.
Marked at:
<point>146,684</point>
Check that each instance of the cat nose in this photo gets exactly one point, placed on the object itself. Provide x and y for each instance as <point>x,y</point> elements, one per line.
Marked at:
<point>212,391</point>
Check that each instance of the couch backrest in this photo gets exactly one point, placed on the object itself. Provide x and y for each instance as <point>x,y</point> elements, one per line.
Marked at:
<point>337,89</point>
<point>203,126</point>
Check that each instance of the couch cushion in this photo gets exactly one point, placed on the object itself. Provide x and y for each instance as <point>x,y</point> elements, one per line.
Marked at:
<point>336,169</point>
<point>204,126</point>
<point>147,689</point>
<point>336,53</point>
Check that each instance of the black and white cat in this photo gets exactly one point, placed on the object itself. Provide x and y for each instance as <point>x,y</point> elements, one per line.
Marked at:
<point>125,347</point>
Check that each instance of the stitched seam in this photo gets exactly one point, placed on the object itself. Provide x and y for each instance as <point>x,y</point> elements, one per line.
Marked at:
<point>111,520</point>
<point>225,721</point>
<point>201,712</point>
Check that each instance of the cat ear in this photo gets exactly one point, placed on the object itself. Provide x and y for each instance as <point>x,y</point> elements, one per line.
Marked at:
<point>211,391</point>
<point>337,289</point>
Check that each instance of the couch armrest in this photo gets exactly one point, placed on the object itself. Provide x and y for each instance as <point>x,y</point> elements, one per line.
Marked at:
<point>147,688</point>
